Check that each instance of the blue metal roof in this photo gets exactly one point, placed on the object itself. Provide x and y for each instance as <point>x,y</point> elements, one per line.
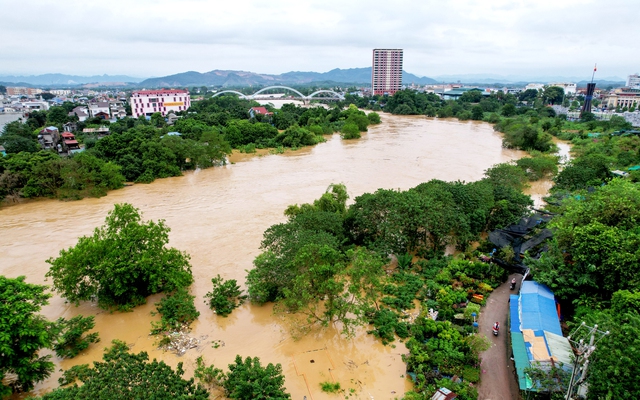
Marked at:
<point>538,308</point>
<point>513,311</point>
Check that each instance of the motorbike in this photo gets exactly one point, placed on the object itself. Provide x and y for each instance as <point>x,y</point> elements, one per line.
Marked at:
<point>513,284</point>
<point>496,329</point>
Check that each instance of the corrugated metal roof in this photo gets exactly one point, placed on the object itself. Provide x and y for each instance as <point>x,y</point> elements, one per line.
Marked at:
<point>538,308</point>
<point>521,359</point>
<point>515,316</point>
<point>560,348</point>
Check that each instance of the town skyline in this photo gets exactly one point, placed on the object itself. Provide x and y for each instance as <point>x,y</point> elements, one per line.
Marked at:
<point>157,38</point>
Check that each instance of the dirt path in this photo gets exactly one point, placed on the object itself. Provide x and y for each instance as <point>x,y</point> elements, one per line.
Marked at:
<point>497,378</point>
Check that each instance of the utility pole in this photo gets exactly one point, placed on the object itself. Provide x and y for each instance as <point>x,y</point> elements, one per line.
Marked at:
<point>582,351</point>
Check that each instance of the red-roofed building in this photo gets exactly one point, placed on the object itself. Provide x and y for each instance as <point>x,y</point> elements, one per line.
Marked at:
<point>259,111</point>
<point>148,102</point>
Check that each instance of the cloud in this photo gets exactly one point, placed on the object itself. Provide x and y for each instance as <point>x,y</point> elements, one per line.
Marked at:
<point>160,37</point>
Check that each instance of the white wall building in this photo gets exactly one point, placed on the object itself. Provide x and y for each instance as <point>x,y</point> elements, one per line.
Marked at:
<point>569,88</point>
<point>633,81</point>
<point>536,86</point>
<point>148,102</point>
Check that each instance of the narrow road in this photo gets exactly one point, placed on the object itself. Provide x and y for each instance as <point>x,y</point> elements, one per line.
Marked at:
<point>497,375</point>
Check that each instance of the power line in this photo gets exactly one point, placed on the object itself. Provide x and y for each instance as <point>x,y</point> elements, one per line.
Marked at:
<point>582,350</point>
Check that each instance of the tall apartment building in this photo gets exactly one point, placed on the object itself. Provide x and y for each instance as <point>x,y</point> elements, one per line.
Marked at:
<point>147,102</point>
<point>22,91</point>
<point>386,71</point>
<point>633,81</point>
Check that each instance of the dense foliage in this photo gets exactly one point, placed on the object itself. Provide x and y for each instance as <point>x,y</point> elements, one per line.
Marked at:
<point>23,333</point>
<point>246,379</point>
<point>123,262</point>
<point>123,375</point>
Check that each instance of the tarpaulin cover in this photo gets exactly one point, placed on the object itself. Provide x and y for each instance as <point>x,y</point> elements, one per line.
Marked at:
<point>538,308</point>
<point>534,241</point>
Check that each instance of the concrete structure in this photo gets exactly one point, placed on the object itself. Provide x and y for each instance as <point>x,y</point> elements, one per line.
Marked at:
<point>386,71</point>
<point>624,97</point>
<point>148,102</point>
<point>633,81</point>
<point>569,88</point>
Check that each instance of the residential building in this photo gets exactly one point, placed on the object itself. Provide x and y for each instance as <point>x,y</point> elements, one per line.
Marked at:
<point>49,137</point>
<point>22,91</point>
<point>60,92</point>
<point>633,81</point>
<point>259,111</point>
<point>69,143</point>
<point>386,71</point>
<point>99,107</point>
<point>148,102</point>
<point>81,112</point>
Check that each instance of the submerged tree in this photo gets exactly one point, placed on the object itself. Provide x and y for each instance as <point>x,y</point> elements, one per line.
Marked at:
<point>124,375</point>
<point>123,262</point>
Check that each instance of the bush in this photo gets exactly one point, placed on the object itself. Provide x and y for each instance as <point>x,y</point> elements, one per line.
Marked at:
<point>69,336</point>
<point>329,387</point>
<point>350,131</point>
<point>225,296</point>
<point>177,312</point>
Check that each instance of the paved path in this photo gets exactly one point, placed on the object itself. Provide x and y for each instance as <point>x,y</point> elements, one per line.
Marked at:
<point>497,378</point>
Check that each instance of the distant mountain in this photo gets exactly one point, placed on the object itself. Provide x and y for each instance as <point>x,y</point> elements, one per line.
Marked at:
<point>66,80</point>
<point>244,78</point>
<point>521,79</point>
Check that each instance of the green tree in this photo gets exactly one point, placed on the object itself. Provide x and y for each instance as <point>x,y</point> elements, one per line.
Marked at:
<point>123,375</point>
<point>121,263</point>
<point>23,333</point>
<point>508,110</point>
<point>249,380</point>
<point>553,95</point>
<point>70,338</point>
<point>477,113</point>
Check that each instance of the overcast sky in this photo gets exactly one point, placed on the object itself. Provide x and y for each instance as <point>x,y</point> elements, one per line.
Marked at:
<point>144,38</point>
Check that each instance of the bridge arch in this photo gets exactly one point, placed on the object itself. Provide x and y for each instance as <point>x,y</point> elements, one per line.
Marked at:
<point>335,94</point>
<point>242,95</point>
<point>278,87</point>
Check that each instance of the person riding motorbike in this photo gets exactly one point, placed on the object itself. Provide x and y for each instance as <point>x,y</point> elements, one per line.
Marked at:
<point>513,283</point>
<point>496,328</point>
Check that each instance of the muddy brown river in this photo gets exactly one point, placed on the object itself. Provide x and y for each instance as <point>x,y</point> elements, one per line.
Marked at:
<point>218,216</point>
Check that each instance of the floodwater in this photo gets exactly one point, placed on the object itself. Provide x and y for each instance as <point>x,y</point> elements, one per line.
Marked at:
<point>8,117</point>
<point>218,216</point>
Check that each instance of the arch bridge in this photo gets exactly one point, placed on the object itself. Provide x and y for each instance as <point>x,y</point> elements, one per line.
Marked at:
<point>306,99</point>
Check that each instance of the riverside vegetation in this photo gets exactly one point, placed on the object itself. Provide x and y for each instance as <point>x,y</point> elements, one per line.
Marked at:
<point>333,266</point>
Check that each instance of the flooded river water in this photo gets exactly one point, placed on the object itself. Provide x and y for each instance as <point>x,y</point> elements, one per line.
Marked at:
<point>218,216</point>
